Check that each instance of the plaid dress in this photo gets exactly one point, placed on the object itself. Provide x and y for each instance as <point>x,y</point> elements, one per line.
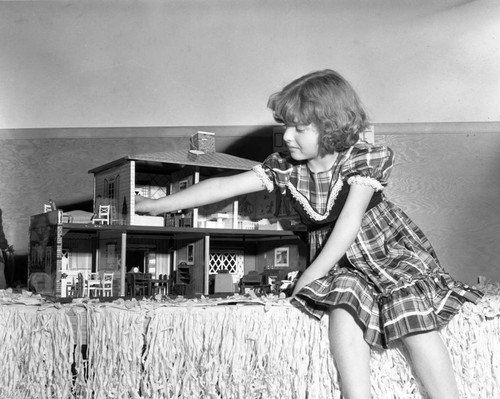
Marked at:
<point>390,277</point>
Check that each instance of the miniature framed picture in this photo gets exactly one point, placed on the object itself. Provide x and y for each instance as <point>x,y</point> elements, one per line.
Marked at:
<point>281,257</point>
<point>190,254</point>
<point>278,139</point>
<point>278,142</point>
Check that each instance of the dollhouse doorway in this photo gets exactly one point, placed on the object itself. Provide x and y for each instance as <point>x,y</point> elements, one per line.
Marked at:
<point>141,257</point>
<point>226,261</point>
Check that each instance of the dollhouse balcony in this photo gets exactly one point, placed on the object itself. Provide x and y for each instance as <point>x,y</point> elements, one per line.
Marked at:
<point>143,220</point>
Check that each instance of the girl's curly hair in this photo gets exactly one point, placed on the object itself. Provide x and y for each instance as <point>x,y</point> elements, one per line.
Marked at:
<point>326,99</point>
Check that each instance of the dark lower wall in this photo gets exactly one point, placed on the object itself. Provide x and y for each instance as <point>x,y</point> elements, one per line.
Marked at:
<point>445,177</point>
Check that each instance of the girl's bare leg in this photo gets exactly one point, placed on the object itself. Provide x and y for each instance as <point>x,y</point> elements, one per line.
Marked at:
<point>431,362</point>
<point>351,355</point>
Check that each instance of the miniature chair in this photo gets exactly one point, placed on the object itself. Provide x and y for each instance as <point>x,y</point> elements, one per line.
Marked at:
<point>158,286</point>
<point>93,284</point>
<point>51,206</point>
<point>129,284</point>
<point>161,287</point>
<point>138,284</point>
<point>103,215</point>
<point>107,284</point>
<point>80,287</point>
<point>289,282</point>
<point>165,284</point>
<point>71,288</point>
<point>143,284</point>
<point>223,283</point>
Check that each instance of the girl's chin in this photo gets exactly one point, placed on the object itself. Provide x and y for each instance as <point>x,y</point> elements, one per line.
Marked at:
<point>298,156</point>
<point>295,154</point>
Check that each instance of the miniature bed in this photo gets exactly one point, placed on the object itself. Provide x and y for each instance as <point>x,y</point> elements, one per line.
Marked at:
<point>238,347</point>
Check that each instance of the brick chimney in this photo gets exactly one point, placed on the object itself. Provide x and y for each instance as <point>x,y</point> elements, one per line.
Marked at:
<point>203,142</point>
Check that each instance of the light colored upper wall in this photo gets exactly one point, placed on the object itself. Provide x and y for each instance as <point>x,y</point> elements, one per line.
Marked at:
<point>199,62</point>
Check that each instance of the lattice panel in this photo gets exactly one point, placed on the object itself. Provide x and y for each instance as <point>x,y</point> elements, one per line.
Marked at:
<point>227,260</point>
<point>157,187</point>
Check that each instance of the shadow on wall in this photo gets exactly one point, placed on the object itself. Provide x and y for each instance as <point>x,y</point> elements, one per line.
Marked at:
<point>86,205</point>
<point>256,145</point>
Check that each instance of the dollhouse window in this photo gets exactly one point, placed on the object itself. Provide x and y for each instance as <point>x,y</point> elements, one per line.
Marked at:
<point>111,187</point>
<point>190,254</point>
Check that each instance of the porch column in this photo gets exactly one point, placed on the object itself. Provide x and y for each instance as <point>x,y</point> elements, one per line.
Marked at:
<point>206,264</point>
<point>123,265</point>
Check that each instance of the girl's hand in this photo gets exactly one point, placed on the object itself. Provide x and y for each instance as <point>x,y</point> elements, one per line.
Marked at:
<point>143,205</point>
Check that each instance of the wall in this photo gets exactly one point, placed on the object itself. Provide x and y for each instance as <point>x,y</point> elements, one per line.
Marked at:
<point>445,178</point>
<point>197,62</point>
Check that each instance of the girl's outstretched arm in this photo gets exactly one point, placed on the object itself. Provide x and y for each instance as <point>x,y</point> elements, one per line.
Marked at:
<point>203,193</point>
<point>342,237</point>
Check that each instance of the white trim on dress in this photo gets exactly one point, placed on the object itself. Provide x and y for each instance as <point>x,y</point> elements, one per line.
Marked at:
<point>267,183</point>
<point>365,181</point>
<point>307,206</point>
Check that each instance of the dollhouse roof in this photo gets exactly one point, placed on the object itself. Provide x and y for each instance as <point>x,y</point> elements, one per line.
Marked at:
<point>172,160</point>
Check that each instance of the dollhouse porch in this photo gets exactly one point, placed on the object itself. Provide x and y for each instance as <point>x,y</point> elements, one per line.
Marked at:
<point>169,260</point>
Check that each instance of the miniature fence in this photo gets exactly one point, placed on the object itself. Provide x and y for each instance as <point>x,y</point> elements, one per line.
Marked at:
<point>256,348</point>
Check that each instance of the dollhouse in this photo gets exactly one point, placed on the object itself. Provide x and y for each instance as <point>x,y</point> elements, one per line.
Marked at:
<point>190,248</point>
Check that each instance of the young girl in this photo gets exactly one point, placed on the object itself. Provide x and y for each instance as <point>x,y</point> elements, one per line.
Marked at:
<point>373,271</point>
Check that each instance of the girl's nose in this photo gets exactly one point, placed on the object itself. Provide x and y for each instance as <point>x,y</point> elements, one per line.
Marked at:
<point>288,135</point>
